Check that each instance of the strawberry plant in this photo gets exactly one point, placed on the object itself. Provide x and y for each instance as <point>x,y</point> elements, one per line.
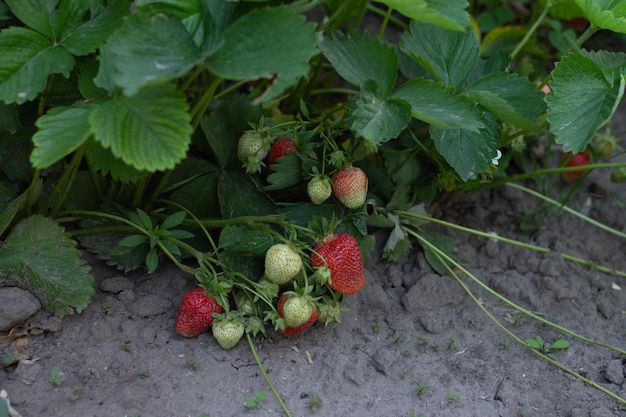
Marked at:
<point>257,145</point>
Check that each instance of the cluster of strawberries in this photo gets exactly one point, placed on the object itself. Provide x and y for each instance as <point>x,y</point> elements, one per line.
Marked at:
<point>336,261</point>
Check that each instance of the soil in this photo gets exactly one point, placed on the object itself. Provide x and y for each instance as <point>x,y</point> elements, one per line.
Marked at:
<point>412,342</point>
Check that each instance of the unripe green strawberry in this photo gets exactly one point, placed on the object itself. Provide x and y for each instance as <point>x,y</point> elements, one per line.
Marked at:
<point>319,189</point>
<point>252,148</point>
<point>603,146</point>
<point>350,187</point>
<point>228,331</point>
<point>294,331</point>
<point>296,311</point>
<point>618,174</point>
<point>282,263</point>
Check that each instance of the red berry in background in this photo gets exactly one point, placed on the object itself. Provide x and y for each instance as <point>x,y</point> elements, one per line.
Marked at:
<point>578,24</point>
<point>280,148</point>
<point>342,255</point>
<point>580,159</point>
<point>195,313</point>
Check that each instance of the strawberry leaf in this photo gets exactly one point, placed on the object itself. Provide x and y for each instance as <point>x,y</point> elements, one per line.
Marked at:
<point>148,49</point>
<point>469,153</point>
<point>433,103</point>
<point>245,241</point>
<point>39,256</point>
<point>605,14</point>
<point>377,119</point>
<point>511,98</point>
<point>449,56</point>
<point>448,14</point>
<point>248,53</point>
<point>50,18</point>
<point>61,131</point>
<point>149,131</point>
<point>586,89</point>
<point>239,196</point>
<point>359,58</point>
<point>88,36</point>
<point>27,58</point>
<point>103,160</point>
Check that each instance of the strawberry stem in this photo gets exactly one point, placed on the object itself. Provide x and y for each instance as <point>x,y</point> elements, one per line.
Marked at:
<point>266,377</point>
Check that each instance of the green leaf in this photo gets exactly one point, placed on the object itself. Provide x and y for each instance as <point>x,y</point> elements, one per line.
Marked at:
<point>238,196</point>
<point>103,160</point>
<point>133,240</point>
<point>27,58</point>
<point>248,52</point>
<point>52,18</point>
<point>359,58</point>
<point>287,172</point>
<point>149,49</point>
<point>606,14</point>
<point>448,14</point>
<point>39,256</point>
<point>246,241</point>
<point>511,98</point>
<point>402,165</point>
<point>468,152</point>
<point>10,209</point>
<point>199,195</point>
<point>501,39</point>
<point>152,260</point>
<point>449,56</point>
<point>583,99</point>
<point>228,118</point>
<point>90,35</point>
<point>61,131</point>
<point>216,16</point>
<point>535,343</point>
<point>149,131</point>
<point>434,104</point>
<point>444,243</point>
<point>377,119</point>
<point>560,344</point>
<point>173,220</point>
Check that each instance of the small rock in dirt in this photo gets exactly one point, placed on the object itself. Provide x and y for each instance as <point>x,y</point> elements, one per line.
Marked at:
<point>432,291</point>
<point>377,298</point>
<point>615,372</point>
<point>103,330</point>
<point>605,303</point>
<point>492,248</point>
<point>16,305</point>
<point>127,296</point>
<point>601,412</point>
<point>116,285</point>
<point>355,374</point>
<point>28,370</point>
<point>552,265</point>
<point>162,337</point>
<point>151,305</point>
<point>385,358</point>
<point>436,321</point>
<point>578,412</point>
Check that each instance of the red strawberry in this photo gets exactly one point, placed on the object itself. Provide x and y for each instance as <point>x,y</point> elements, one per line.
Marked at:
<point>350,187</point>
<point>195,314</point>
<point>294,331</point>
<point>580,159</point>
<point>341,253</point>
<point>280,148</point>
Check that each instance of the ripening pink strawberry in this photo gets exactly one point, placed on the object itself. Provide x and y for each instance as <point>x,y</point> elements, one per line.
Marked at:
<point>350,187</point>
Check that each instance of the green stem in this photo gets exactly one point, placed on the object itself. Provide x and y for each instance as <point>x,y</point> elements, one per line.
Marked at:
<point>201,106</point>
<point>385,21</point>
<point>532,30</point>
<point>441,255</point>
<point>547,171</point>
<point>506,300</point>
<point>569,210</point>
<point>267,378</point>
<point>62,188</point>
<point>514,242</point>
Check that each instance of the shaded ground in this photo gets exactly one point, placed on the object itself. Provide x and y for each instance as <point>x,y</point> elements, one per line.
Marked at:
<point>409,332</point>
